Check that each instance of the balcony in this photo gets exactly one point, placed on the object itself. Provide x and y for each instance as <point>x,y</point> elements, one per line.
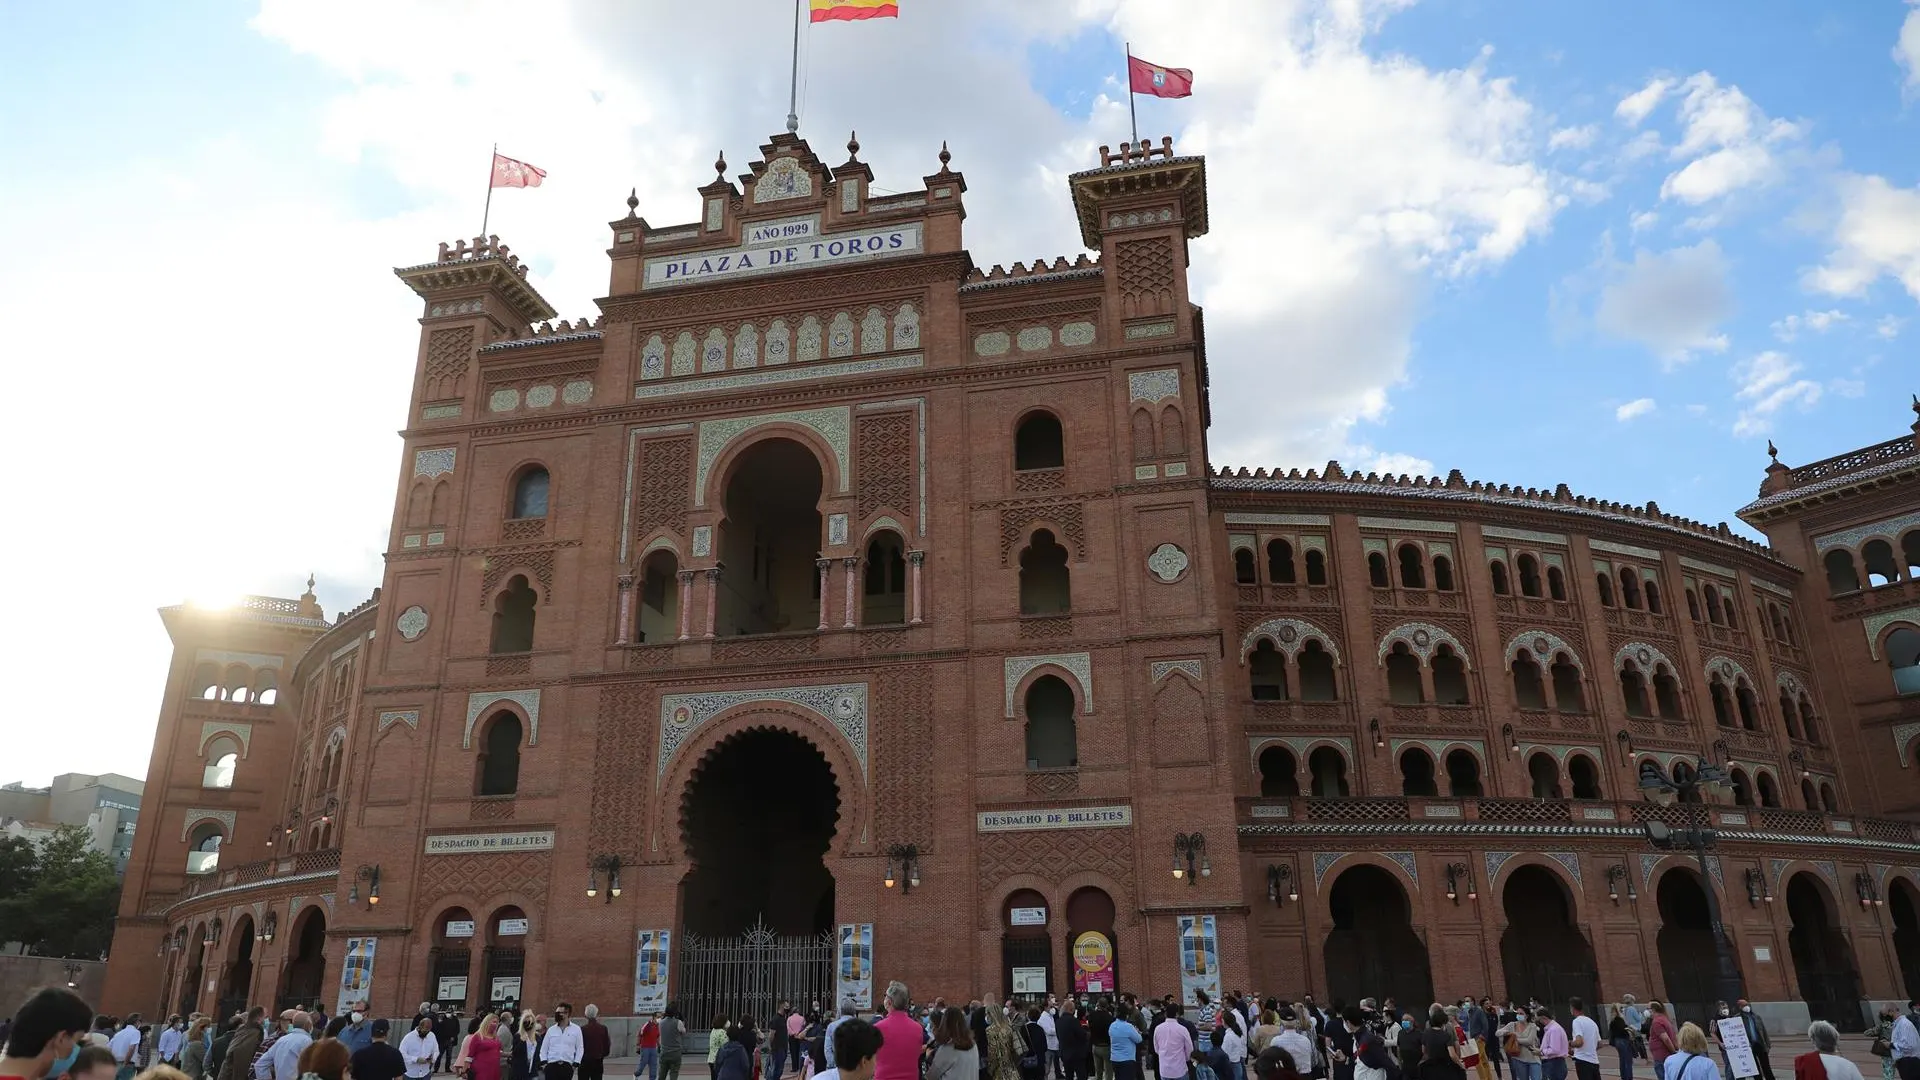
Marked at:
<point>1421,814</point>
<point>261,873</point>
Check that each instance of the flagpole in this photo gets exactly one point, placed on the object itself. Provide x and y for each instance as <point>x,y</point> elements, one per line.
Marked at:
<point>1132,110</point>
<point>488,212</point>
<point>793,83</point>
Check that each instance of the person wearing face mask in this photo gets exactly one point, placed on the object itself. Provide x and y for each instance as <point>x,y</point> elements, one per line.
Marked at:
<point>358,1033</point>
<point>47,1035</point>
<point>1757,1038</point>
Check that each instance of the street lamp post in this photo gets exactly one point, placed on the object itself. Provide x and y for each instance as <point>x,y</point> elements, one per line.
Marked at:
<point>1689,785</point>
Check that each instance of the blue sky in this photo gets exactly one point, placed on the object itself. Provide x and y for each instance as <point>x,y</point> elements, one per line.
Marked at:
<point>1540,243</point>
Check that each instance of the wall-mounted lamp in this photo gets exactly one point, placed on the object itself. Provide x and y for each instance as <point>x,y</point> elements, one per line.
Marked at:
<point>369,873</point>
<point>1280,884</point>
<point>1373,728</point>
<point>268,926</point>
<point>73,975</point>
<point>1800,762</point>
<point>213,931</point>
<point>1507,736</point>
<point>1757,890</point>
<point>906,859</point>
<point>1863,884</point>
<point>1190,857</point>
<point>1625,739</point>
<point>292,826</point>
<point>1616,874</point>
<point>608,865</point>
<point>1460,874</point>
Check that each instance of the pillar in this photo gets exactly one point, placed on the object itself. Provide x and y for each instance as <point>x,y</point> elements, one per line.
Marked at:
<point>914,559</point>
<point>626,610</point>
<point>826,579</point>
<point>686,604</point>
<point>713,597</point>
<point>852,565</point>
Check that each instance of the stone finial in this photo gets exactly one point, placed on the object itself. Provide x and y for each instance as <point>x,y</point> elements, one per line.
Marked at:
<point>720,165</point>
<point>945,157</point>
<point>853,148</point>
<point>633,202</point>
<point>1916,417</point>
<point>309,591</point>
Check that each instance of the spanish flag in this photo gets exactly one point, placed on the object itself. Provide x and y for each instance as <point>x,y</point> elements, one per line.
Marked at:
<point>850,10</point>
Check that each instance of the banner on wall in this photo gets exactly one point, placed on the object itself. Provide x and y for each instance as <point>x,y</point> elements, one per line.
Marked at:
<point>356,974</point>
<point>652,957</point>
<point>1092,964</point>
<point>1199,958</point>
<point>855,965</point>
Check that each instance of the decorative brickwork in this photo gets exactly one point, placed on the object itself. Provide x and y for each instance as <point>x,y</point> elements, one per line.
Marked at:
<point>449,354</point>
<point>1016,522</point>
<point>885,463</point>
<point>666,487</point>
<point>1146,276</point>
<point>483,876</point>
<point>902,734</point>
<point>502,563</point>
<point>624,735</point>
<point>1059,854</point>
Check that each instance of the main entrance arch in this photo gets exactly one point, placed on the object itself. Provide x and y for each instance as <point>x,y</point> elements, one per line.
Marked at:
<point>1544,952</point>
<point>1903,904</point>
<point>1822,956</point>
<point>308,963</point>
<point>757,908</point>
<point>1685,944</point>
<point>1372,950</point>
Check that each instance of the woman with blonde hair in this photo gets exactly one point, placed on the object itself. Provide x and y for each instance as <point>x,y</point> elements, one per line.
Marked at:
<point>483,1051</point>
<point>1264,1032</point>
<point>193,1054</point>
<point>1691,1062</point>
<point>1003,1059</point>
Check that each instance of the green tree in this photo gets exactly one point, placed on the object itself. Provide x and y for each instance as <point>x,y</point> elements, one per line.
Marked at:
<point>68,905</point>
<point>18,866</point>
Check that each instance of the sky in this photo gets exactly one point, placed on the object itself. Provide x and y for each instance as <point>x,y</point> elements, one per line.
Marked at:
<point>1540,243</point>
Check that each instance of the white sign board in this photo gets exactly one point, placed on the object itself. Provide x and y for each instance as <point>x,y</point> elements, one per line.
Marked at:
<point>506,988</point>
<point>1071,817</point>
<point>512,927</point>
<point>452,988</point>
<point>1029,980</point>
<point>459,928</point>
<point>772,256</point>
<point>487,843</point>
<point>1028,916</point>
<point>1733,1037</point>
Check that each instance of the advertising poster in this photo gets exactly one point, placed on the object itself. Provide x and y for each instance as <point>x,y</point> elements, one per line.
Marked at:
<point>356,975</point>
<point>1092,964</point>
<point>651,960</point>
<point>855,965</point>
<point>1199,958</point>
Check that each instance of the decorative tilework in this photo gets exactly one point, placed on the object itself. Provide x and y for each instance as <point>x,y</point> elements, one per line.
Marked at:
<point>1570,860</point>
<point>1727,668</point>
<point>1289,636</point>
<point>1888,530</point>
<point>850,195</point>
<point>440,412</point>
<point>1153,386</point>
<point>477,703</point>
<point>1175,468</point>
<point>432,463</point>
<point>412,541</point>
<point>577,392</point>
<point>772,376</point>
<point>1705,567</point>
<point>713,352</point>
<point>1277,519</point>
<point>1630,551</point>
<point>1719,875</point>
<point>1644,655</point>
<point>240,731</point>
<point>884,522</point>
<point>1407,525</point>
<point>1034,338</point>
<point>1439,747</point>
<point>716,214</point>
<point>683,353</point>
<point>992,343</point>
<point>1649,862</point>
<point>840,335</point>
<point>1873,624</point>
<point>196,815</point>
<point>784,178</point>
<point>1422,638</point>
<point>1544,645</point>
<point>1079,665</point>
<point>1598,813</point>
<point>542,396</point>
<point>836,528</point>
<point>1442,810</point>
<point>435,539</point>
<point>1160,669</point>
<point>1279,811</point>
<point>409,717</point>
<point>746,346</point>
<point>702,541</point>
<point>1780,591</point>
<point>505,399</point>
<point>412,622</point>
<point>1139,331</point>
<point>1323,861</point>
<point>779,342</point>
<point>831,423</point>
<point>1494,861</point>
<point>1903,736</point>
<point>873,331</point>
<point>1830,872</point>
<point>844,705</point>
<point>1788,681</point>
<point>1408,863</point>
<point>1075,334</point>
<point>1527,535</point>
<point>1146,472</point>
<point>906,327</point>
<point>1167,562</point>
<point>808,347</point>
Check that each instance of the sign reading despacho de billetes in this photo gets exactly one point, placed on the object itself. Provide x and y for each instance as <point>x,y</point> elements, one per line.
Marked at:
<point>1071,817</point>
<point>769,255</point>
<point>488,843</point>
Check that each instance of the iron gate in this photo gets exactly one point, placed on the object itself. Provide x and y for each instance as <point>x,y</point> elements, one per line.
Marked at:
<point>750,975</point>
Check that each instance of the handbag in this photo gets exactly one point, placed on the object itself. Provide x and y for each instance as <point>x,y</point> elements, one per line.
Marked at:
<point>1511,1045</point>
<point>1881,1047</point>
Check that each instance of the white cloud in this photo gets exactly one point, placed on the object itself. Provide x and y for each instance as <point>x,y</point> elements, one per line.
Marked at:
<point>1768,383</point>
<point>1636,106</point>
<point>1572,138</point>
<point>1673,303</point>
<point>1888,327</point>
<point>1788,328</point>
<point>1644,220</point>
<point>1877,233</point>
<point>1638,407</point>
<point>1906,51</point>
<point>1729,140</point>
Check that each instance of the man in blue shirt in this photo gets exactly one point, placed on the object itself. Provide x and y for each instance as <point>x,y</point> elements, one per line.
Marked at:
<point>1124,1041</point>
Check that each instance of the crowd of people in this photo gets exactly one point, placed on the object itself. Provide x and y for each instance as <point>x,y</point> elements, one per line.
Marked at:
<point>56,1035</point>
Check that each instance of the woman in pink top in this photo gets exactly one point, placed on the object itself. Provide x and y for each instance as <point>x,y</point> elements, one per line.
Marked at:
<point>901,1038</point>
<point>483,1051</point>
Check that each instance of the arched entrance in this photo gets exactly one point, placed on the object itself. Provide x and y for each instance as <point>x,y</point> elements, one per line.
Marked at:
<point>769,541</point>
<point>1685,944</point>
<point>197,949</point>
<point>1822,956</point>
<point>1092,949</point>
<point>756,910</point>
<point>450,961</point>
<point>308,961</point>
<point>1026,946</point>
<point>506,956</point>
<point>237,987</point>
<point>1544,952</point>
<point>1372,950</point>
<point>1903,903</point>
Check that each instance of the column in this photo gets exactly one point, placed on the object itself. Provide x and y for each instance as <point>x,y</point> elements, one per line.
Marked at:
<point>686,604</point>
<point>713,596</point>
<point>852,565</point>
<point>626,610</point>
<point>826,578</point>
<point>914,559</point>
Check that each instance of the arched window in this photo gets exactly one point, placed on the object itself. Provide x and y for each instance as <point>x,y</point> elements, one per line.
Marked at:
<point>239,683</point>
<point>1243,569</point>
<point>1267,669</point>
<point>1903,657</point>
<point>1769,792</point>
<point>1714,613</point>
<point>530,493</point>
<point>1416,773</point>
<point>1881,569</point>
<point>1693,606</point>
<point>1666,694</point>
<point>1722,701</point>
<point>1742,788</point>
<point>1788,716</point>
<point>1377,570</point>
<point>513,618</point>
<point>1329,770</point>
<point>1544,773</point>
<point>660,597</point>
<point>1143,449</point>
<point>1809,795</point>
<point>1316,568</point>
<point>1733,611</point>
<point>1403,676</point>
<point>1046,587</point>
<point>1653,598</point>
<point>1605,584</point>
<point>1584,776</point>
<point>1442,573</point>
<point>1279,778</point>
<point>1413,575</point>
<point>498,770</point>
<point>1773,621</point>
<point>1633,687</point>
<point>1910,553</point>
<point>1279,562</point>
<point>1568,695</point>
<point>1556,583</point>
<point>1786,627</point>
<point>884,599</point>
<point>1498,570</point>
<point>1038,443</point>
<point>266,689</point>
<point>1842,577</point>
<point>1749,708</point>
<point>1463,774</point>
<point>1051,740</point>
<point>1629,588</point>
<point>1529,575</point>
<point>205,683</point>
<point>1829,799</point>
<point>1173,432</point>
<point>1807,722</point>
<point>223,757</point>
<point>1528,689</point>
<point>1316,672</point>
<point>1449,677</point>
<point>203,848</point>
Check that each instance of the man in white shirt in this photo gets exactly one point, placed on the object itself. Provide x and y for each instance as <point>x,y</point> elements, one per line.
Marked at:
<point>168,1045</point>
<point>1906,1043</point>
<point>283,1061</point>
<point>125,1045</point>
<point>1585,1041</point>
<point>1053,1039</point>
<point>561,1049</point>
<point>419,1049</point>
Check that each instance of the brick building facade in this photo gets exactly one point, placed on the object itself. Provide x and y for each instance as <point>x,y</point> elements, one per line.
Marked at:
<point>824,578</point>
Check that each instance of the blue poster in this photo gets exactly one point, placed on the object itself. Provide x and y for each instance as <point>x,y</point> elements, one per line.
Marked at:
<point>855,965</point>
<point>1199,958</point>
<point>652,957</point>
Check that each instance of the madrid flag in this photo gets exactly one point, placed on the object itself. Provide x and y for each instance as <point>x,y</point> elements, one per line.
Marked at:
<point>1148,78</point>
<point>847,10</point>
<point>510,173</point>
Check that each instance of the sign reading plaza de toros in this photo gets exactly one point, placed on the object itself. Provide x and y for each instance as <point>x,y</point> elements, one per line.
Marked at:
<point>778,246</point>
<point>488,843</point>
<point>1068,817</point>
